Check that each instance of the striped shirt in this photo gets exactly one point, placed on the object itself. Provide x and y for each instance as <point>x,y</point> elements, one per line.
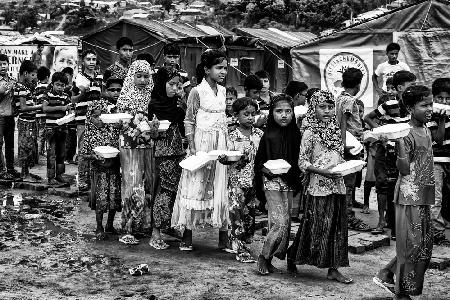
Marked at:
<point>53,100</point>
<point>39,92</point>
<point>94,84</point>
<point>441,153</point>
<point>21,91</point>
<point>390,112</point>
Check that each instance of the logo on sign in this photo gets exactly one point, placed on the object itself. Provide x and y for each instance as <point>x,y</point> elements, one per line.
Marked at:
<point>337,65</point>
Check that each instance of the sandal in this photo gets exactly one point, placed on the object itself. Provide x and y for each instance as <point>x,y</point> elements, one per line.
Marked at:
<point>357,224</point>
<point>135,272</point>
<point>100,236</point>
<point>339,278</point>
<point>129,240</point>
<point>377,230</point>
<point>245,257</point>
<point>365,211</point>
<point>158,244</point>
<point>384,285</point>
<point>185,247</point>
<point>143,268</point>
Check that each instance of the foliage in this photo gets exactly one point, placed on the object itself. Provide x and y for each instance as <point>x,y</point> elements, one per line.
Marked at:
<point>166,4</point>
<point>82,20</point>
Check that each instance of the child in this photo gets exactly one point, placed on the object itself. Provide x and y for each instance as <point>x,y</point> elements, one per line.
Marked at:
<point>26,123</point>
<point>414,196</point>
<point>297,90</point>
<point>265,95</point>
<point>242,195</point>
<point>232,121</point>
<point>349,115</point>
<point>64,57</point>
<point>202,196</point>
<point>119,69</point>
<point>385,169</point>
<point>281,140</point>
<point>43,77</point>
<point>325,219</point>
<point>71,140</point>
<point>440,131</point>
<point>106,178</point>
<point>252,88</point>
<point>55,104</point>
<point>388,68</point>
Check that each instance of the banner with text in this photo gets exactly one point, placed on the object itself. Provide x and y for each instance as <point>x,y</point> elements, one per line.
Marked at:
<point>333,63</point>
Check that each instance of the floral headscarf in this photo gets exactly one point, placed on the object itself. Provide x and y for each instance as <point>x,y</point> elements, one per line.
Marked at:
<point>132,99</point>
<point>329,132</point>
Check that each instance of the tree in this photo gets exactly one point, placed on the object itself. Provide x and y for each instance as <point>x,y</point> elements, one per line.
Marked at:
<point>166,4</point>
<point>26,19</point>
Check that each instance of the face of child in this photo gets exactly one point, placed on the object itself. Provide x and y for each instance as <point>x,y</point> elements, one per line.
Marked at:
<point>65,58</point>
<point>325,111</point>
<point>283,113</point>
<point>90,61</point>
<point>229,101</point>
<point>218,72</point>
<point>391,89</point>
<point>58,87</point>
<point>266,84</point>
<point>172,86</point>
<point>114,90</point>
<point>423,110</point>
<point>392,56</point>
<point>125,53</point>
<point>4,66</point>
<point>69,77</point>
<point>246,117</point>
<point>300,98</point>
<point>41,48</point>
<point>253,93</point>
<point>442,98</point>
<point>30,77</point>
<point>171,59</point>
<point>141,79</point>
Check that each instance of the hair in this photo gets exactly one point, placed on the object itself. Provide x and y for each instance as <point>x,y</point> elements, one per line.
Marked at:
<point>123,41</point>
<point>392,46</point>
<point>171,49</point>
<point>262,74</point>
<point>4,57</point>
<point>351,78</point>
<point>295,87</point>
<point>310,92</point>
<point>390,81</point>
<point>252,82</point>
<point>242,103</point>
<point>40,43</point>
<point>440,85</point>
<point>60,76</point>
<point>27,66</point>
<point>67,70</point>
<point>414,94</point>
<point>42,73</point>
<point>208,59</point>
<point>401,77</point>
<point>112,80</point>
<point>280,98</point>
<point>147,57</point>
<point>88,51</point>
<point>231,90</point>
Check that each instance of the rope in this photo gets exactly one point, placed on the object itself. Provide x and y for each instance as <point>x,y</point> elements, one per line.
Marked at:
<point>426,16</point>
<point>238,70</point>
<point>100,47</point>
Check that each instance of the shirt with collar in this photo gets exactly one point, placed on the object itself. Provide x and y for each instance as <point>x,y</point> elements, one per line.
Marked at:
<point>6,100</point>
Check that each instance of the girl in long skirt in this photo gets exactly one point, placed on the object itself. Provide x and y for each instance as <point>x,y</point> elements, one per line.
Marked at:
<point>321,239</point>
<point>202,197</point>
<point>281,140</point>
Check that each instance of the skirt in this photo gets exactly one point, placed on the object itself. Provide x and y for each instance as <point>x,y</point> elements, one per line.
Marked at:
<point>322,238</point>
<point>106,188</point>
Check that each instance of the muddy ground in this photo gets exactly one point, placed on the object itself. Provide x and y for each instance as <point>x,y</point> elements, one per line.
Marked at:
<point>48,251</point>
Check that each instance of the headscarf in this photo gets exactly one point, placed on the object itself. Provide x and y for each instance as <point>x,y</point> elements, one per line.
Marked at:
<point>280,143</point>
<point>132,99</point>
<point>329,132</point>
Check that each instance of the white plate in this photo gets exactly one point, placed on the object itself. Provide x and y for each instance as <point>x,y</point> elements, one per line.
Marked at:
<point>163,125</point>
<point>392,131</point>
<point>300,110</point>
<point>277,166</point>
<point>349,167</point>
<point>106,151</point>
<point>438,106</point>
<point>66,119</point>
<point>143,126</point>
<point>195,162</point>
<point>115,118</point>
<point>350,140</point>
<point>234,155</point>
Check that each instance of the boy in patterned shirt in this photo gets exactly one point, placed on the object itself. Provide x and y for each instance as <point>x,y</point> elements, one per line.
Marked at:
<point>43,77</point>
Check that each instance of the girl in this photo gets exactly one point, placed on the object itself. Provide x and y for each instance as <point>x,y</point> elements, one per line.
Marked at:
<point>321,239</point>
<point>105,173</point>
<point>281,140</point>
<point>136,150</point>
<point>414,195</point>
<point>202,196</point>
<point>242,195</point>
<point>169,151</point>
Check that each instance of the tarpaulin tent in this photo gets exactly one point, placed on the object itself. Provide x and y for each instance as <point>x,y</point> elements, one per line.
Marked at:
<point>423,31</point>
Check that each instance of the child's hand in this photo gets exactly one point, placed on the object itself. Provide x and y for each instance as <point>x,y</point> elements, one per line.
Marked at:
<point>441,114</point>
<point>268,173</point>
<point>261,120</point>
<point>223,159</point>
<point>348,148</point>
<point>330,174</point>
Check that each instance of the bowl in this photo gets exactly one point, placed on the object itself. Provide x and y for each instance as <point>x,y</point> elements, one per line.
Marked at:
<point>163,125</point>
<point>106,151</point>
<point>115,118</point>
<point>214,154</point>
<point>143,126</point>
<point>66,119</point>
<point>233,155</point>
<point>195,162</point>
<point>349,167</point>
<point>277,166</point>
<point>392,131</point>
<point>300,110</point>
<point>350,140</point>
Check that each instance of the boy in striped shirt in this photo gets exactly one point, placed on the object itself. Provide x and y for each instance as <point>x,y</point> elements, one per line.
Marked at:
<point>26,123</point>
<point>385,169</point>
<point>43,77</point>
<point>55,105</point>
<point>440,131</point>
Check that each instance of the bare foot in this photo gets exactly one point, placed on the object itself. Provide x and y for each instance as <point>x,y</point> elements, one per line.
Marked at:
<point>334,274</point>
<point>291,267</point>
<point>272,268</point>
<point>262,266</point>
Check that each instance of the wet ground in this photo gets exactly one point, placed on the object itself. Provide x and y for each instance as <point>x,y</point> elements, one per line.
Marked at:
<point>48,251</point>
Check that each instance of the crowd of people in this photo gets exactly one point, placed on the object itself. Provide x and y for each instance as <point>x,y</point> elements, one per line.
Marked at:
<point>146,184</point>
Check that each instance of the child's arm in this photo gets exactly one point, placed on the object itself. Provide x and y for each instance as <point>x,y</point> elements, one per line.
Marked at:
<point>376,84</point>
<point>371,118</point>
<point>438,134</point>
<point>25,107</point>
<point>403,156</point>
<point>47,109</point>
<point>193,105</point>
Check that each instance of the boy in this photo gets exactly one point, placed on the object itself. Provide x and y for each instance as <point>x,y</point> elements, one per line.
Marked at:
<point>55,104</point>
<point>36,57</point>
<point>297,90</point>
<point>231,96</point>
<point>265,95</point>
<point>388,68</point>
<point>349,115</point>
<point>440,131</point>
<point>7,122</point>
<point>252,88</point>
<point>415,192</point>
<point>119,69</point>
<point>26,123</point>
<point>113,88</point>
<point>385,169</point>
<point>71,140</point>
<point>90,87</point>
<point>43,77</point>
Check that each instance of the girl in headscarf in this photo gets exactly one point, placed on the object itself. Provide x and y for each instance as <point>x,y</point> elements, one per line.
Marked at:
<point>169,151</point>
<point>281,140</point>
<point>136,150</point>
<point>321,239</point>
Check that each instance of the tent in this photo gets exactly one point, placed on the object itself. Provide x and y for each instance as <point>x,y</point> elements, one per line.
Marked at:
<point>422,30</point>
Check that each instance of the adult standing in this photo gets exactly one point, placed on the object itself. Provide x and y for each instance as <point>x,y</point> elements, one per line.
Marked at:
<point>119,68</point>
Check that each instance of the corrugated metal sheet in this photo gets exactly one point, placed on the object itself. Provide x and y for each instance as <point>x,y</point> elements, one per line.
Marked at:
<point>277,40</point>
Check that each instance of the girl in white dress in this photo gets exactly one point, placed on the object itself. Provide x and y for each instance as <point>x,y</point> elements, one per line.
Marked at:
<point>202,198</point>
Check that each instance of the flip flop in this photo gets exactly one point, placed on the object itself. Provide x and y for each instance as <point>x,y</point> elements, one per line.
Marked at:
<point>185,247</point>
<point>384,285</point>
<point>341,279</point>
<point>135,272</point>
<point>129,240</point>
<point>377,230</point>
